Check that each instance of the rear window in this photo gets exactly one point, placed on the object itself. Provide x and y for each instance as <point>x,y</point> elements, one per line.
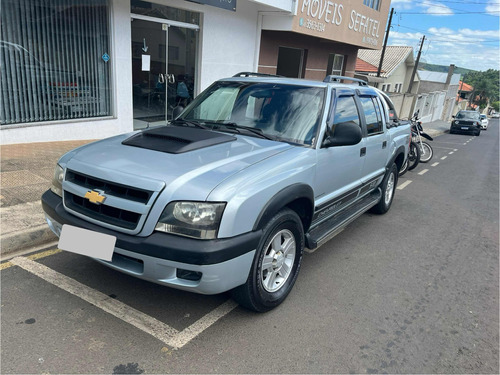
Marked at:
<point>468,115</point>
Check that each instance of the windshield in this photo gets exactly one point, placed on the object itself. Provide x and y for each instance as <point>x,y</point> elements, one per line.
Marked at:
<point>290,113</point>
<point>468,115</point>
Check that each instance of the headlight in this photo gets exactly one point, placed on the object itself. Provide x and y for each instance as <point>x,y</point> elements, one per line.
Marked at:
<point>192,219</point>
<point>456,122</point>
<point>57,180</point>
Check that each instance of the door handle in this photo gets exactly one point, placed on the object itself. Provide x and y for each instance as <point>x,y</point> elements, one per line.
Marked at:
<point>362,152</point>
<point>161,78</point>
<point>171,78</point>
<point>384,144</point>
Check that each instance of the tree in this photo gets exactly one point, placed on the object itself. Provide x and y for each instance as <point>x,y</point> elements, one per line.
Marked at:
<point>486,86</point>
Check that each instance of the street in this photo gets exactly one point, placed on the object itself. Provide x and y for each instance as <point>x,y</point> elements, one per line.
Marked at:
<point>412,291</point>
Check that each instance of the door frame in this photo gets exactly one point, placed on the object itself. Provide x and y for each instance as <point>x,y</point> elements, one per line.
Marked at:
<point>169,23</point>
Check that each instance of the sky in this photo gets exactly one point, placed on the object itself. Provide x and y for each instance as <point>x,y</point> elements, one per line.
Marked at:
<point>461,32</point>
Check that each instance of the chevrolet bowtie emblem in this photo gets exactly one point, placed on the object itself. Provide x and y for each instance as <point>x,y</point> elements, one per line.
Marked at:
<point>95,197</point>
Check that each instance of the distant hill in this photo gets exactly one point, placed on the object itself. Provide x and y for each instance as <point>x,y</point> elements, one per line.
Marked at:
<point>442,68</point>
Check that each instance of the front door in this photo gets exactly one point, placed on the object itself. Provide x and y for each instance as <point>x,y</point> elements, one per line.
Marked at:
<point>163,70</point>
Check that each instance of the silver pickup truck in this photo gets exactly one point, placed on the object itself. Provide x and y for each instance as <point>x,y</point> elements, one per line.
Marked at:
<point>228,195</point>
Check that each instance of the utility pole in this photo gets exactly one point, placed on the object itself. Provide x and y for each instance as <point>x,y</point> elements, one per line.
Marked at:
<point>416,65</point>
<point>385,44</point>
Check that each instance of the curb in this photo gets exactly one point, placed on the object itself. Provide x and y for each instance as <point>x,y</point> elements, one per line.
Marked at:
<point>19,240</point>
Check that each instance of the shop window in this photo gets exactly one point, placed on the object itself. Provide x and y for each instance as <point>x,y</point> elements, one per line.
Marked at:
<point>374,4</point>
<point>53,60</point>
<point>290,62</point>
<point>335,64</point>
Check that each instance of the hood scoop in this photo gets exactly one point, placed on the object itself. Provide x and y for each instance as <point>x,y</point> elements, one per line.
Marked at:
<point>176,140</point>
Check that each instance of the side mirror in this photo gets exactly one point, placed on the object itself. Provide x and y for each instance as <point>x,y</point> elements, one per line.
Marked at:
<point>177,111</point>
<point>453,116</point>
<point>344,134</point>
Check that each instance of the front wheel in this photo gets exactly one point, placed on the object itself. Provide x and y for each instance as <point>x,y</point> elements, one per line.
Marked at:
<point>426,152</point>
<point>388,188</point>
<point>276,264</point>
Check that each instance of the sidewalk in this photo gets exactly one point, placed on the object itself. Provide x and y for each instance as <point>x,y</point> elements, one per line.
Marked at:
<point>26,173</point>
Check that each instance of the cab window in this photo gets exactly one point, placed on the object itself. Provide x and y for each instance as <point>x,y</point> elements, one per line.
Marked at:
<point>372,114</point>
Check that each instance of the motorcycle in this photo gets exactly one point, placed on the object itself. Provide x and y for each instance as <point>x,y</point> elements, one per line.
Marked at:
<point>426,151</point>
<point>412,159</point>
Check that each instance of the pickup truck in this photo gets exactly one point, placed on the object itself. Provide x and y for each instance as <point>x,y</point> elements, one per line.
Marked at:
<point>227,196</point>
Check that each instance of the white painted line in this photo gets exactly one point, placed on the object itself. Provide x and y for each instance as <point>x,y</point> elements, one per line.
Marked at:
<point>444,157</point>
<point>146,323</point>
<point>465,144</point>
<point>455,150</point>
<point>202,324</point>
<point>138,319</point>
<point>403,185</point>
<point>423,172</point>
<point>450,153</point>
<point>435,164</point>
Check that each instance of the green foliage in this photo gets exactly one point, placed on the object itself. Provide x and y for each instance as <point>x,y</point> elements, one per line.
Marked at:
<point>486,86</point>
<point>496,106</point>
<point>442,68</point>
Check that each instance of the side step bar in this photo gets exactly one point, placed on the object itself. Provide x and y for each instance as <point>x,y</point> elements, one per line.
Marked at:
<point>336,224</point>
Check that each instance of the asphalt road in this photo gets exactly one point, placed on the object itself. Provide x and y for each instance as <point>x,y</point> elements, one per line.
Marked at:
<point>412,291</point>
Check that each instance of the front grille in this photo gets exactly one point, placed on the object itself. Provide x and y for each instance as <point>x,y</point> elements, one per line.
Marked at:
<point>106,214</point>
<point>110,188</point>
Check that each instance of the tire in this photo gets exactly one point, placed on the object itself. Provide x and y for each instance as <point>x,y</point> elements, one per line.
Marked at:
<point>388,189</point>
<point>426,152</point>
<point>413,156</point>
<point>276,264</point>
<point>404,168</point>
<point>478,133</point>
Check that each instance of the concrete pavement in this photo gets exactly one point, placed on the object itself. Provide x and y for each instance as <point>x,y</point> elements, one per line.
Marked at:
<point>26,173</point>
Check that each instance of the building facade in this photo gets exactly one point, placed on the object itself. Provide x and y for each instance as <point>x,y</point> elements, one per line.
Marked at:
<point>89,69</point>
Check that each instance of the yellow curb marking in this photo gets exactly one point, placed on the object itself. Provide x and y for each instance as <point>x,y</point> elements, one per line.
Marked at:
<point>36,256</point>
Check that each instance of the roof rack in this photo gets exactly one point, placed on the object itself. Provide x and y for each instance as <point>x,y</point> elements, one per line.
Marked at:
<point>253,74</point>
<point>333,78</point>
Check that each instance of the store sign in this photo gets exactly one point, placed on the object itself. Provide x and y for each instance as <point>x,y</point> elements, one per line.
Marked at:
<point>348,22</point>
<point>224,4</point>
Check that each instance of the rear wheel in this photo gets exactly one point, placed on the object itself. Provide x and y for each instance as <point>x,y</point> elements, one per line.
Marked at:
<point>276,264</point>
<point>388,188</point>
<point>413,156</point>
<point>478,132</point>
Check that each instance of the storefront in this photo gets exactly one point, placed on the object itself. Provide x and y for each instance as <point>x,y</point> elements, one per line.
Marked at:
<point>323,37</point>
<point>88,69</point>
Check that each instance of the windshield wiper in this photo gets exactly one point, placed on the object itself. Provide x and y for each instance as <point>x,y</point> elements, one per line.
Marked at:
<point>180,121</point>
<point>237,128</point>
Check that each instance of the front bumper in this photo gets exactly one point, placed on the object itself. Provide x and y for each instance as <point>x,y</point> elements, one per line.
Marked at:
<point>464,128</point>
<point>222,263</point>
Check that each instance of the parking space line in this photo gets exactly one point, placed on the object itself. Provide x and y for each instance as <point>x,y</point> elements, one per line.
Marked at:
<point>444,157</point>
<point>145,323</point>
<point>202,324</point>
<point>435,164</point>
<point>403,185</point>
<point>423,172</point>
<point>163,332</point>
<point>451,153</point>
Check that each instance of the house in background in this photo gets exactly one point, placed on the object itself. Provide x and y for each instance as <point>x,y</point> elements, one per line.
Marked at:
<point>437,94</point>
<point>464,96</point>
<point>395,76</point>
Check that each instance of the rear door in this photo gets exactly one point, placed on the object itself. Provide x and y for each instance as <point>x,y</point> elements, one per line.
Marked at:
<point>376,139</point>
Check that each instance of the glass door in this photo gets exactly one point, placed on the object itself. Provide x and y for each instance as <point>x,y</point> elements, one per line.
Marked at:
<point>163,70</point>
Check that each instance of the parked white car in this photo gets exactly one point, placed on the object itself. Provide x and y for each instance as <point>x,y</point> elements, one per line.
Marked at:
<point>495,115</point>
<point>484,122</point>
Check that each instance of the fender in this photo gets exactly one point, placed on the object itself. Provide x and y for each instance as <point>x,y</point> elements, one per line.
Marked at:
<point>399,151</point>
<point>426,136</point>
<point>285,197</point>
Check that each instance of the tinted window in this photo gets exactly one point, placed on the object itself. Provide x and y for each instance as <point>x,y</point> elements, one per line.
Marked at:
<point>372,115</point>
<point>468,115</point>
<point>345,111</point>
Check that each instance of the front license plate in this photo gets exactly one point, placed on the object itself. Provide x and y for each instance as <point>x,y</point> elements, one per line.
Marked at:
<point>465,128</point>
<point>86,242</point>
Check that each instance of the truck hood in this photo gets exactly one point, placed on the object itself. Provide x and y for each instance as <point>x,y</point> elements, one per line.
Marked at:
<point>192,173</point>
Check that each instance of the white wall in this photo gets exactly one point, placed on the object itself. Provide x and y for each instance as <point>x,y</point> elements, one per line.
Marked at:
<point>228,44</point>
